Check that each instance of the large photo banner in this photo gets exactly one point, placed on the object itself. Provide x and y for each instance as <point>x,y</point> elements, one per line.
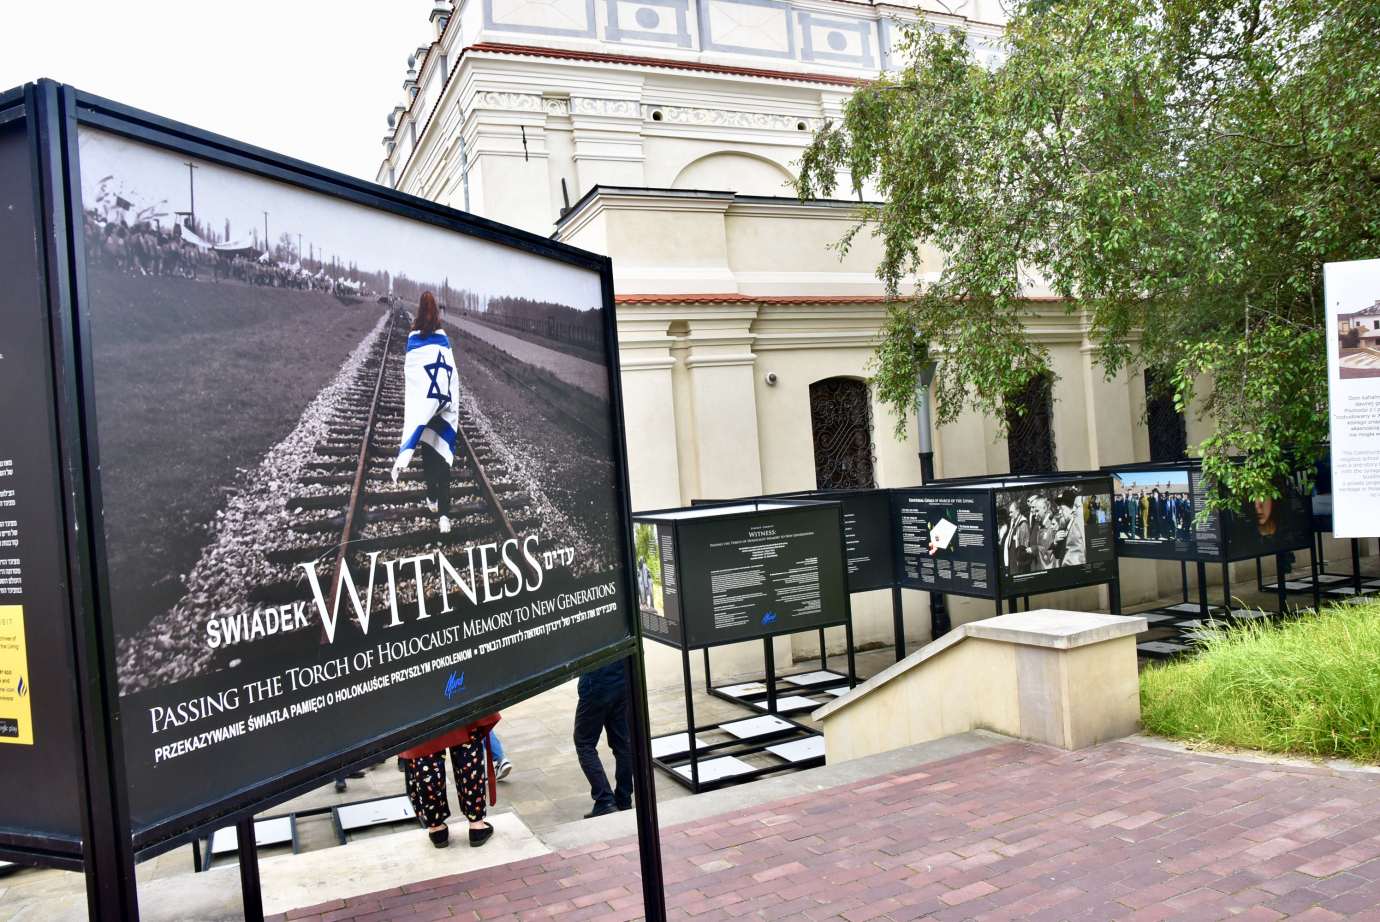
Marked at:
<point>357,471</point>
<point>1352,296</point>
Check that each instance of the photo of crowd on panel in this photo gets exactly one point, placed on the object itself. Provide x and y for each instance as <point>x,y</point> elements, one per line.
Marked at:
<point>358,471</point>
<point>1154,508</point>
<point>1054,536</point>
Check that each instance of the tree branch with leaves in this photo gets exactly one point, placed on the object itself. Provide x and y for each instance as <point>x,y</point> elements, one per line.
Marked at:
<point>1176,171</point>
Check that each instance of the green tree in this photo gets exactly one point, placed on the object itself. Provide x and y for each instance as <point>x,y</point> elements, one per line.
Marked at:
<point>1176,170</point>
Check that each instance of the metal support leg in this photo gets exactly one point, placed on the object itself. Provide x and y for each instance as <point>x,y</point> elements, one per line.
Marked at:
<point>1260,573</point>
<point>1226,584</point>
<point>253,898</point>
<point>1315,565</point>
<point>1202,588</point>
<point>852,657</point>
<point>823,651</point>
<point>1183,577</point>
<point>898,623</point>
<point>690,721</point>
<point>1280,591</point>
<point>644,787</point>
<point>769,653</point>
<point>708,682</point>
<point>1356,565</point>
<point>1114,590</point>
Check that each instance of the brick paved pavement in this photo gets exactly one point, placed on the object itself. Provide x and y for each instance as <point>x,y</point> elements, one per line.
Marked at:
<point>1120,831</point>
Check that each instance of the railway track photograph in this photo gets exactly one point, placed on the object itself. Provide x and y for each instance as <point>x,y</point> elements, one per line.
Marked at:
<point>255,416</point>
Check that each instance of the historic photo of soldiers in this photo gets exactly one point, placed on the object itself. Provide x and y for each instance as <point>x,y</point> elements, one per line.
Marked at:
<point>1049,527</point>
<point>1153,506</point>
<point>295,391</point>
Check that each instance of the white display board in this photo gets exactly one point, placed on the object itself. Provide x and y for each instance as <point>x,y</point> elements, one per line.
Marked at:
<point>1352,295</point>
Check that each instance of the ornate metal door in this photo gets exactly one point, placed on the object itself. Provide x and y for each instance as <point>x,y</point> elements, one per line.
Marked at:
<point>841,416</point>
<point>1030,428</point>
<point>1168,431</point>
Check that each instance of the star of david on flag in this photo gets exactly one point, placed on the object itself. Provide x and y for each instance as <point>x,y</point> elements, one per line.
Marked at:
<point>438,390</point>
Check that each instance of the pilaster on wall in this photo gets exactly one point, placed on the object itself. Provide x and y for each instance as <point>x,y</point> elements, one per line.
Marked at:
<point>721,366</point>
<point>649,410</point>
<point>506,155</point>
<point>608,140</point>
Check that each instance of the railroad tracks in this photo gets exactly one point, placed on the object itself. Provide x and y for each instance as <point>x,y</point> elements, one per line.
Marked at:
<point>345,504</point>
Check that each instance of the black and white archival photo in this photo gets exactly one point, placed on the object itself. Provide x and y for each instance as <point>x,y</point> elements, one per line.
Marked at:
<point>345,457</point>
<point>1054,536</point>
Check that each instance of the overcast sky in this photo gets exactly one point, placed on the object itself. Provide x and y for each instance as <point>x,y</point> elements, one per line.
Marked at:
<point>313,79</point>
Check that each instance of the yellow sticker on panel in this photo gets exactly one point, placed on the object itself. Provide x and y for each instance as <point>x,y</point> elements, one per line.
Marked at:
<point>16,723</point>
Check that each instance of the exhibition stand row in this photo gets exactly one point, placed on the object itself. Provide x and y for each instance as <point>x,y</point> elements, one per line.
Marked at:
<point>728,571</point>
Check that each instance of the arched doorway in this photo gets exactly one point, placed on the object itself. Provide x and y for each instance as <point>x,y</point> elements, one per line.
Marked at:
<point>1030,427</point>
<point>841,420</point>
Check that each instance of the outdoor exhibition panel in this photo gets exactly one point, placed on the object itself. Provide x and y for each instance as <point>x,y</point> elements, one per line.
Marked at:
<point>1002,538</point>
<point>1341,585</point>
<point>717,574</point>
<point>212,513</point>
<point>868,550</point>
<point>1159,514</point>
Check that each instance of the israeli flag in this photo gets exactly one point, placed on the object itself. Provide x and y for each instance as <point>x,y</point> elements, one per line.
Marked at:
<point>431,408</point>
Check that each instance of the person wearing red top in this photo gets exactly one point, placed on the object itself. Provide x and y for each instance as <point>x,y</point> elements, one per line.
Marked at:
<point>425,769</point>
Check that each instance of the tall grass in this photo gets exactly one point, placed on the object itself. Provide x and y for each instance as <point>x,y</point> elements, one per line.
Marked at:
<point>1309,686</point>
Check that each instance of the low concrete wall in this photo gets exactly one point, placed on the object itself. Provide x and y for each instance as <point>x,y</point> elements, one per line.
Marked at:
<point>1059,677</point>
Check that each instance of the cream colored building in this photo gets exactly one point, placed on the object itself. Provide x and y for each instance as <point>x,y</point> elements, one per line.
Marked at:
<point>664,134</point>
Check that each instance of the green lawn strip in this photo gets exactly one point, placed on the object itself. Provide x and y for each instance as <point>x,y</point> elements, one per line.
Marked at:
<point>1308,686</point>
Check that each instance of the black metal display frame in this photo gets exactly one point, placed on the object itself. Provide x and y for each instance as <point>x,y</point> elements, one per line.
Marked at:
<point>1226,558</point>
<point>694,753</point>
<point>1003,596</point>
<point>1322,525</point>
<point>52,113</point>
<point>897,611</point>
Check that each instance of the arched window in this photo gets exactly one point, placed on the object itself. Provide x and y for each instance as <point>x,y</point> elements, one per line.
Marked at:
<point>1168,431</point>
<point>1030,427</point>
<point>841,417</point>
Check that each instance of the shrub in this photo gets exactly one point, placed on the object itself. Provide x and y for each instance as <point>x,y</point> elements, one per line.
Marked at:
<point>1309,686</point>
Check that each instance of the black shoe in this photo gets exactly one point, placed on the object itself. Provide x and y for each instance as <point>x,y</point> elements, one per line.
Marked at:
<point>340,785</point>
<point>601,810</point>
<point>355,775</point>
<point>479,836</point>
<point>440,837</point>
<point>627,806</point>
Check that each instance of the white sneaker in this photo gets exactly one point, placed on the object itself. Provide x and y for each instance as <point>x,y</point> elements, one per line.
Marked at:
<point>503,770</point>
<point>432,506</point>
<point>444,525</point>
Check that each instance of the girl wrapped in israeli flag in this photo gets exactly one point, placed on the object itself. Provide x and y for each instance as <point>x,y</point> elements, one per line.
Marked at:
<point>430,410</point>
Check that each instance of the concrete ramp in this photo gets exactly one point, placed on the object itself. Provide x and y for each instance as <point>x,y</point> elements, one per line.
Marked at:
<point>1064,678</point>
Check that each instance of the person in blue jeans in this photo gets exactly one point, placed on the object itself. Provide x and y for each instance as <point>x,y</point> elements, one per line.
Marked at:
<point>502,767</point>
<point>603,709</point>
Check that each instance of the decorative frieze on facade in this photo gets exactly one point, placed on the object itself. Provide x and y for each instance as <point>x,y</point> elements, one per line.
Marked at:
<point>647,112</point>
<point>728,118</point>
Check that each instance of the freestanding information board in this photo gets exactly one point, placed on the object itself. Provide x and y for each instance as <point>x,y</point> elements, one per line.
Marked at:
<point>1002,538</point>
<point>1158,509</point>
<point>209,515</point>
<point>868,549</point>
<point>716,574</point>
